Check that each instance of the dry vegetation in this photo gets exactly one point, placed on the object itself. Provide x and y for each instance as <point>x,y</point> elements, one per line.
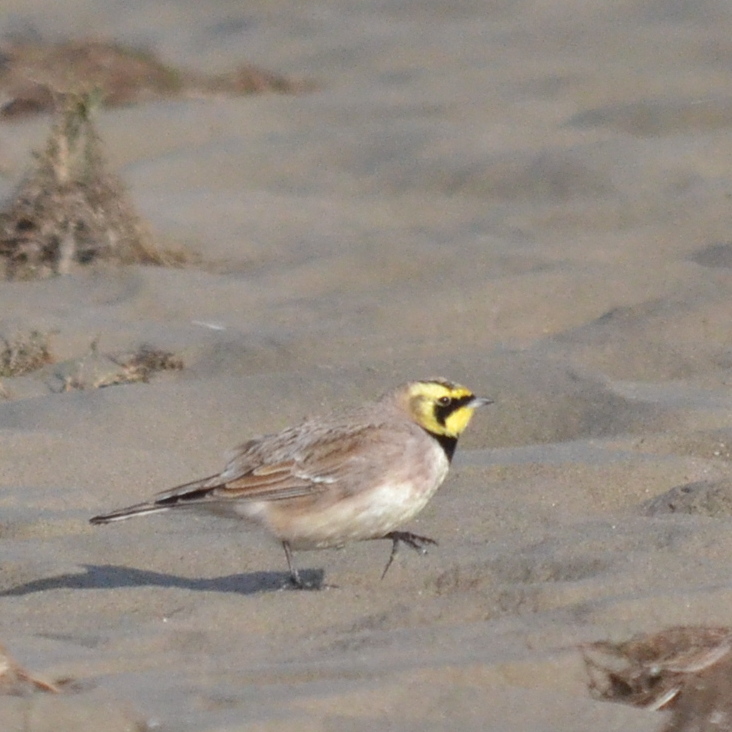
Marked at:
<point>23,353</point>
<point>71,210</point>
<point>687,670</point>
<point>93,372</point>
<point>145,362</point>
<point>30,71</point>
<point>17,681</point>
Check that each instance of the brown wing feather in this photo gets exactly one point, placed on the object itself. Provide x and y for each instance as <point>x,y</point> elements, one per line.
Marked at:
<point>288,466</point>
<point>269,483</point>
<point>276,483</point>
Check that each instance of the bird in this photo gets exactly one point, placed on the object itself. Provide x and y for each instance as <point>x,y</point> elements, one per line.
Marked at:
<point>340,478</point>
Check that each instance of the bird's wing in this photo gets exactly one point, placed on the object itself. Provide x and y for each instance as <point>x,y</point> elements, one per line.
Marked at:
<point>260,472</point>
<point>272,482</point>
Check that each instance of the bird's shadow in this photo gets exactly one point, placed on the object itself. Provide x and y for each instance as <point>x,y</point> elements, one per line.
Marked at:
<point>110,576</point>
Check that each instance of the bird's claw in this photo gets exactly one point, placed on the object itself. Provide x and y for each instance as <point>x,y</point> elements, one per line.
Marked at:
<point>415,541</point>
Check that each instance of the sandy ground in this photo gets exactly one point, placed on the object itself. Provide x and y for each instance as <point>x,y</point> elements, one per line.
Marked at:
<point>532,198</point>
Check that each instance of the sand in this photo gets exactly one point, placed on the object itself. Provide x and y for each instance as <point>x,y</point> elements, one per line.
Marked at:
<point>532,198</point>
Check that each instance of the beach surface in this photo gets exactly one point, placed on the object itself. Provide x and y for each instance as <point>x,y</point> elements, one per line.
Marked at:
<point>530,198</point>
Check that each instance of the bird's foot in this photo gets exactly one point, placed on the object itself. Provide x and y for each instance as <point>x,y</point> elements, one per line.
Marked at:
<point>297,583</point>
<point>415,541</point>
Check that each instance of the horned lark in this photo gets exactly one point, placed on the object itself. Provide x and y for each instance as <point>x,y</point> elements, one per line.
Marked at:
<point>339,478</point>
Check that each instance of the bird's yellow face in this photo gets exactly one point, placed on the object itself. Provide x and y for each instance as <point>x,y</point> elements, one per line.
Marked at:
<point>441,407</point>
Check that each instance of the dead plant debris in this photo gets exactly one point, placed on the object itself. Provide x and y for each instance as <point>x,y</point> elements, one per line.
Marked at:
<point>71,210</point>
<point>686,669</point>
<point>30,72</point>
<point>23,353</point>
<point>96,371</point>
<point>16,681</point>
<point>146,361</point>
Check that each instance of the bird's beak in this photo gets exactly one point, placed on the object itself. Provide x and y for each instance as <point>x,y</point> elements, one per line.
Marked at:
<point>476,402</point>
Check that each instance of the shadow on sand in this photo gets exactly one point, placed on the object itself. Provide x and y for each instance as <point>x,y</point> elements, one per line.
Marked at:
<point>107,576</point>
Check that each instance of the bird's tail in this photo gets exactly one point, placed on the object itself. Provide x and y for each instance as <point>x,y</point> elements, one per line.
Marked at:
<point>139,509</point>
<point>187,494</point>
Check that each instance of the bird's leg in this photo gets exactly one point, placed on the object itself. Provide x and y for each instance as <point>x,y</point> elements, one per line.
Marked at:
<point>294,574</point>
<point>418,543</point>
<point>297,582</point>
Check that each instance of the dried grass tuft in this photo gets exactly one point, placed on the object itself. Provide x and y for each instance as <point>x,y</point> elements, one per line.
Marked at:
<point>23,353</point>
<point>141,365</point>
<point>95,372</point>
<point>71,210</point>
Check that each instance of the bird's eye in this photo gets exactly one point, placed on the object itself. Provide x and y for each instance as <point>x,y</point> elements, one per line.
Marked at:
<point>444,401</point>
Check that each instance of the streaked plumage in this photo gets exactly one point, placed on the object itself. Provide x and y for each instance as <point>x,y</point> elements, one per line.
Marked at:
<point>340,478</point>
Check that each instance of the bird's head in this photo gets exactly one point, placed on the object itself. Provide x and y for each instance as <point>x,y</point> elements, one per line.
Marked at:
<point>440,406</point>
